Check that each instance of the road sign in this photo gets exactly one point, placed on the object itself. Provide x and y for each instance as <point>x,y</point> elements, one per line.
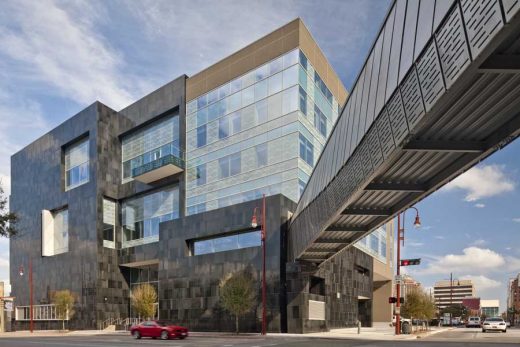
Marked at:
<point>397,310</point>
<point>8,306</point>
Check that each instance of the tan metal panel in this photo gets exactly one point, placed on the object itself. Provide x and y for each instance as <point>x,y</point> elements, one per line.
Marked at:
<point>290,36</point>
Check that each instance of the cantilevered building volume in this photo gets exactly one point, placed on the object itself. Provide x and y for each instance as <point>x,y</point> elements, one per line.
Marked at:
<point>163,191</point>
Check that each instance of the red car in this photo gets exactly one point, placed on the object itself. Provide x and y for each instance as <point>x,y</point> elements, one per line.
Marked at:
<point>158,328</point>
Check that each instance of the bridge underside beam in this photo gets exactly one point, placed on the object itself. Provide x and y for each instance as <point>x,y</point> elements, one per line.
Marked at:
<point>347,228</point>
<point>445,146</point>
<point>499,63</point>
<point>366,212</point>
<point>332,240</point>
<point>396,187</point>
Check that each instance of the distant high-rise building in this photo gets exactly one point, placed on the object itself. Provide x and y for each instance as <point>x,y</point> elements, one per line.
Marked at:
<point>451,292</point>
<point>408,285</point>
<point>513,297</point>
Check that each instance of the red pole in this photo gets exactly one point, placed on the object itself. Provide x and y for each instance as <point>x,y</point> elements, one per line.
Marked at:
<point>398,284</point>
<point>264,319</point>
<point>31,296</point>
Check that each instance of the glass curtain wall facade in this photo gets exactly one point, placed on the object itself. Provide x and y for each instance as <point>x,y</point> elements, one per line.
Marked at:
<point>260,133</point>
<point>142,215</point>
<point>374,244</point>
<point>153,142</point>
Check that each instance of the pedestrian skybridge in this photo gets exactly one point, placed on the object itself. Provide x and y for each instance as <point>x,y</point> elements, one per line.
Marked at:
<point>439,92</point>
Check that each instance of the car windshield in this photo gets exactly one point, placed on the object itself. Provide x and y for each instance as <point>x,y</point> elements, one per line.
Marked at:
<point>494,319</point>
<point>164,323</point>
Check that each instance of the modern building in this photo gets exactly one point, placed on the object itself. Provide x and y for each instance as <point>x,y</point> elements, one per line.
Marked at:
<point>163,192</point>
<point>452,292</point>
<point>490,308</point>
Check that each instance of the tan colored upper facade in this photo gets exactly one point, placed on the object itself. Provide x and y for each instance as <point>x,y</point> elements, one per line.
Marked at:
<point>269,47</point>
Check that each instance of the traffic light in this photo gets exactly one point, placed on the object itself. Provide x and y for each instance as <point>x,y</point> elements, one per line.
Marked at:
<point>393,300</point>
<point>408,262</point>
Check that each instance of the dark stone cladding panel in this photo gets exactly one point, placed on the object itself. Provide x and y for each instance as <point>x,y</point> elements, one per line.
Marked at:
<point>189,285</point>
<point>344,285</point>
<point>37,173</point>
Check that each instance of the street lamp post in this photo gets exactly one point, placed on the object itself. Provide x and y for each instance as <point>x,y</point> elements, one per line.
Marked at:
<point>254,224</point>
<point>21,271</point>
<point>400,238</point>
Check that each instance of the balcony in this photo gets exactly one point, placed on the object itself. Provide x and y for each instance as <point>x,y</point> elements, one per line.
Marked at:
<point>157,169</point>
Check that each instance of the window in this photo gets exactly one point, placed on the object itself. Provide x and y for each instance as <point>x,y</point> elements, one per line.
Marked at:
<point>320,121</point>
<point>76,164</point>
<point>374,242</point>
<point>229,165</point>
<point>261,111</point>
<point>261,154</point>
<point>248,96</point>
<point>261,90</point>
<point>226,243</point>
<point>142,215</point>
<point>383,246</point>
<point>301,187</point>
<point>223,127</point>
<point>109,222</point>
<point>275,84</point>
<point>55,232</point>
<point>201,136</point>
<point>303,101</point>
<point>306,150</point>
<point>201,174</point>
<point>236,122</point>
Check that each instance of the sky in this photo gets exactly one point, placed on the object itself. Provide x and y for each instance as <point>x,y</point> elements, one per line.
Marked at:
<point>57,57</point>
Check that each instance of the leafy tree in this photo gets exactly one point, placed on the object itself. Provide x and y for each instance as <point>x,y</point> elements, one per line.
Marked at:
<point>64,302</point>
<point>418,304</point>
<point>143,298</point>
<point>237,294</point>
<point>7,219</point>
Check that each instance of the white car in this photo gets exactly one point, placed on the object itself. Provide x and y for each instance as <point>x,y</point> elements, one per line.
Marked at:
<point>494,324</point>
<point>473,321</point>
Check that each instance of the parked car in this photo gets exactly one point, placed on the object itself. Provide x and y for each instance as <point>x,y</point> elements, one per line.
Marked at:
<point>473,322</point>
<point>495,323</point>
<point>403,320</point>
<point>157,328</point>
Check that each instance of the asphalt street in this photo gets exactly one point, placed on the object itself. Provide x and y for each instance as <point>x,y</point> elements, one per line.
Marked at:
<point>456,338</point>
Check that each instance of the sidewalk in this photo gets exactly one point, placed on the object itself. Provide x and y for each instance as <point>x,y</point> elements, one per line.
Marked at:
<point>377,333</point>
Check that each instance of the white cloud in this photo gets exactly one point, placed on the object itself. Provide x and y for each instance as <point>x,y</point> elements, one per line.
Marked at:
<point>58,48</point>
<point>414,243</point>
<point>439,237</point>
<point>482,283</point>
<point>472,260</point>
<point>517,220</point>
<point>480,205</point>
<point>482,182</point>
<point>479,242</point>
